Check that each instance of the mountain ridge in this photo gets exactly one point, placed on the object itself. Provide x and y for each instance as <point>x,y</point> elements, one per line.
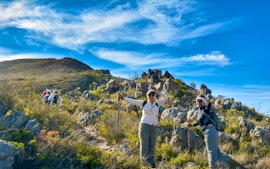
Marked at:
<point>66,74</point>
<point>44,65</point>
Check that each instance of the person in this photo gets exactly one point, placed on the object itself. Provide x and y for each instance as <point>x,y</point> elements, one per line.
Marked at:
<point>148,123</point>
<point>46,93</point>
<point>55,98</point>
<point>210,133</point>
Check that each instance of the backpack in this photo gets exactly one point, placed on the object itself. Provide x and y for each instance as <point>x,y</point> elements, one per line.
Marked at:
<point>215,120</point>
<point>144,103</point>
<point>55,98</point>
<point>159,112</point>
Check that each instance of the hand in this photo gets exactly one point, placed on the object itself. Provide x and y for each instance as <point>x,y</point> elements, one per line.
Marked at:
<point>157,92</point>
<point>188,124</point>
<point>120,97</point>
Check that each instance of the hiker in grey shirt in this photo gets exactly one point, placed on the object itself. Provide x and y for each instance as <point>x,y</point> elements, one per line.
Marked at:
<point>209,131</point>
<point>148,124</point>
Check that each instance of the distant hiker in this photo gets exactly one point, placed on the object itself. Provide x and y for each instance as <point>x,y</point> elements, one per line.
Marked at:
<point>45,94</point>
<point>209,131</point>
<point>148,124</point>
<point>55,98</point>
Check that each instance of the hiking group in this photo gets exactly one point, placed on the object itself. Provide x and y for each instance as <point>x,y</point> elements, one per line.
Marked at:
<point>149,122</point>
<point>51,97</point>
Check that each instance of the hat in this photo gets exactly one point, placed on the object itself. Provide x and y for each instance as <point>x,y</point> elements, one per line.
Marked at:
<point>150,91</point>
<point>202,98</point>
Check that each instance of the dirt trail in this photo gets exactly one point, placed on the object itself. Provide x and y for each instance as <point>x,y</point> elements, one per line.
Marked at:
<point>97,141</point>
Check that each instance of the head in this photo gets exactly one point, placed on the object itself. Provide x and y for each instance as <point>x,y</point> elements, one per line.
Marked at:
<point>151,95</point>
<point>201,101</point>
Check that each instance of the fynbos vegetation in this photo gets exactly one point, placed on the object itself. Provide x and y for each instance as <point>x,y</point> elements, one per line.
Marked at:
<point>93,129</point>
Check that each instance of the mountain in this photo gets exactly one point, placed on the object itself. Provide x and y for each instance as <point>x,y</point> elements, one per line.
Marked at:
<point>42,66</point>
<point>36,74</point>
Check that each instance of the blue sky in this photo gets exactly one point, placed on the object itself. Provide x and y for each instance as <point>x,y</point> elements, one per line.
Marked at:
<point>223,44</point>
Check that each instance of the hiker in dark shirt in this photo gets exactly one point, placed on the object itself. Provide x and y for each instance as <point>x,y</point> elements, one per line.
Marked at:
<point>55,98</point>
<point>148,124</point>
<point>209,131</point>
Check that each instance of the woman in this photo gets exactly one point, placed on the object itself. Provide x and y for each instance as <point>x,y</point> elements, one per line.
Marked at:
<point>148,124</point>
<point>209,131</point>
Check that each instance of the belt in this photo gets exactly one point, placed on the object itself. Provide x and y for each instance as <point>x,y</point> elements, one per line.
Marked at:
<point>210,125</point>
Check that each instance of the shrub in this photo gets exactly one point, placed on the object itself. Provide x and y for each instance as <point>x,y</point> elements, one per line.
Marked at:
<point>109,127</point>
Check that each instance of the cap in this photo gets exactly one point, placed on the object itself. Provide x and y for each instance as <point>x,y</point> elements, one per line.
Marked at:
<point>202,98</point>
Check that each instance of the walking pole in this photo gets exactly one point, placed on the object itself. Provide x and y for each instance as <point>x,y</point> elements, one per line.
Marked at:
<point>188,136</point>
<point>118,113</point>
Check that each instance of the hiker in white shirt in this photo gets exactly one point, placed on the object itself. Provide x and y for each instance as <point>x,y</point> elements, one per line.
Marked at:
<point>148,123</point>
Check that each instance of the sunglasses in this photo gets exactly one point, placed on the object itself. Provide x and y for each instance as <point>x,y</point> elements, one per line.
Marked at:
<point>151,94</point>
<point>198,100</point>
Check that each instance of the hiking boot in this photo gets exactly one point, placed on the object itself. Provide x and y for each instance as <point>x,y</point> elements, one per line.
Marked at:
<point>154,166</point>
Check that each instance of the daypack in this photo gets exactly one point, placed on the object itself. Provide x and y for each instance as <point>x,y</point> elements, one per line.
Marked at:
<point>215,120</point>
<point>144,103</point>
<point>55,98</point>
<point>159,113</point>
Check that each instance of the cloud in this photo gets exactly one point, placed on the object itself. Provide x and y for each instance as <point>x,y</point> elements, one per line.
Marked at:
<point>8,57</point>
<point>212,58</point>
<point>151,22</point>
<point>130,59</point>
<point>159,60</point>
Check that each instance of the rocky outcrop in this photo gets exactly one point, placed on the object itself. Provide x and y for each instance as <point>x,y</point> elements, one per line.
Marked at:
<point>245,126</point>
<point>7,154</point>
<point>174,114</point>
<point>87,118</point>
<point>186,139</point>
<point>205,91</point>
<point>170,86</point>
<point>263,134</point>
<point>34,126</point>
<point>14,119</point>
<point>87,95</point>
<point>111,87</point>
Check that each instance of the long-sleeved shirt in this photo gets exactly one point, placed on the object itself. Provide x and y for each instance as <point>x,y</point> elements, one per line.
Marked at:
<point>59,99</point>
<point>149,111</point>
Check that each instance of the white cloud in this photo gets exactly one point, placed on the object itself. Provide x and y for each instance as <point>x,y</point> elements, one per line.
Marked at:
<point>130,59</point>
<point>159,60</point>
<point>8,57</point>
<point>212,58</point>
<point>165,23</point>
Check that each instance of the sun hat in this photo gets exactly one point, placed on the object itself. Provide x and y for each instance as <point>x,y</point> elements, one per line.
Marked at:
<point>150,91</point>
<point>202,98</point>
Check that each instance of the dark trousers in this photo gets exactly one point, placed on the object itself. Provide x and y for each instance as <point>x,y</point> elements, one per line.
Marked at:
<point>148,136</point>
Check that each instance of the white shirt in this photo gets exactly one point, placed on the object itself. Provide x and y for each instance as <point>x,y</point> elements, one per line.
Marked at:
<point>149,111</point>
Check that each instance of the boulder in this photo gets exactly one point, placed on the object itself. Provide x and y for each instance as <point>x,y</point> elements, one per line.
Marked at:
<point>174,114</point>
<point>186,139</point>
<point>262,134</point>
<point>7,154</point>
<point>34,126</point>
<point>14,119</point>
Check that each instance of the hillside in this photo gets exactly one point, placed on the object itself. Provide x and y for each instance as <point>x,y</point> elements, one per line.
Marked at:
<point>93,129</point>
<point>41,66</point>
<point>36,74</point>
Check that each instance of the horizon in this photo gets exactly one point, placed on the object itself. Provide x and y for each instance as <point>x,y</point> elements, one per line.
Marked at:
<point>221,44</point>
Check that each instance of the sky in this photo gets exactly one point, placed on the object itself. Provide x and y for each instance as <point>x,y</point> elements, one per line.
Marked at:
<point>222,43</point>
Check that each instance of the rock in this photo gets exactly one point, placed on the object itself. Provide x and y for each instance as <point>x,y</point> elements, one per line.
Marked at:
<point>14,119</point>
<point>33,126</point>
<point>262,134</point>
<point>7,154</point>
